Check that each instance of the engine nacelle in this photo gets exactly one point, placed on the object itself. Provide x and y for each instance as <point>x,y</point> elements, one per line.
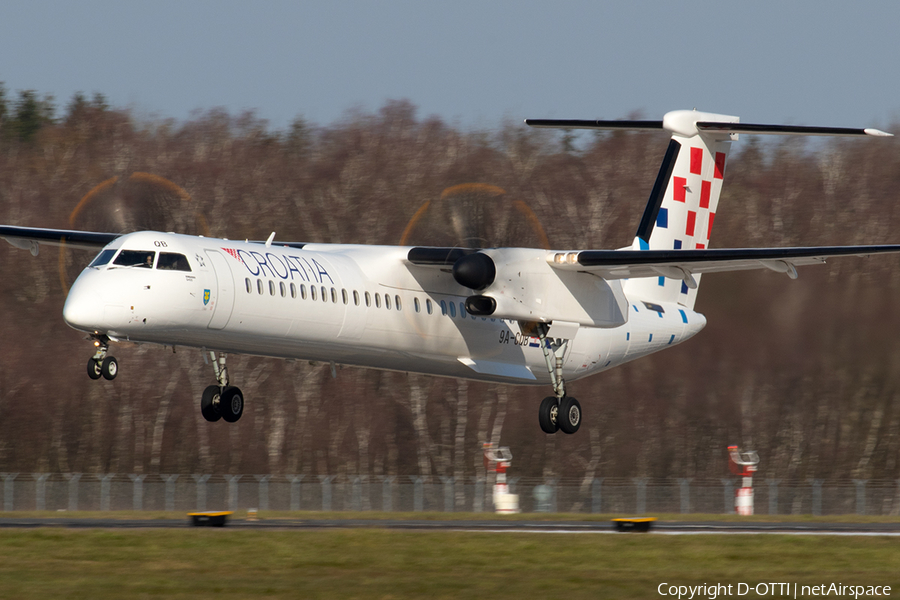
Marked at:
<point>475,271</point>
<point>524,287</point>
<point>481,306</point>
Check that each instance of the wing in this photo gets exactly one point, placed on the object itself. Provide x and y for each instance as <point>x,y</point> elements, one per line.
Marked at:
<point>682,264</point>
<point>30,238</point>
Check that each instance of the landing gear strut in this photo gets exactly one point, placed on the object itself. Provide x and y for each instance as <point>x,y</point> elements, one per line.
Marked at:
<point>221,401</point>
<point>559,411</point>
<point>101,365</point>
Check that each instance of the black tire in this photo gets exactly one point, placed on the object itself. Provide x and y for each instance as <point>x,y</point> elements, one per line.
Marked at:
<point>231,404</point>
<point>93,369</point>
<point>569,415</point>
<point>548,415</point>
<point>110,368</point>
<point>209,404</point>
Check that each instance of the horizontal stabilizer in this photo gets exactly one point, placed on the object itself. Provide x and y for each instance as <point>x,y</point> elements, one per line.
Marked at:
<point>685,121</point>
<point>755,128</point>
<point>592,124</point>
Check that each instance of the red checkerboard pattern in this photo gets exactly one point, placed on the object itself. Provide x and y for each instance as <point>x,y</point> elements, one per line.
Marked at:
<point>233,253</point>
<point>680,187</point>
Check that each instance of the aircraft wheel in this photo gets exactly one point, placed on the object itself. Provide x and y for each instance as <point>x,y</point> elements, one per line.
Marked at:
<point>110,368</point>
<point>231,404</point>
<point>208,403</point>
<point>94,369</point>
<point>569,415</point>
<point>548,414</point>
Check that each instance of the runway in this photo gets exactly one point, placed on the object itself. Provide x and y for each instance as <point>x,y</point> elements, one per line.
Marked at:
<point>487,526</point>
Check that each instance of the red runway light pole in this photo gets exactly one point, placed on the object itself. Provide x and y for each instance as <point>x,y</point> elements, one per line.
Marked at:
<point>500,460</point>
<point>743,464</point>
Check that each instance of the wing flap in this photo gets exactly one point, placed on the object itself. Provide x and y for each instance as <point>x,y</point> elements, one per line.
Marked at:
<point>488,367</point>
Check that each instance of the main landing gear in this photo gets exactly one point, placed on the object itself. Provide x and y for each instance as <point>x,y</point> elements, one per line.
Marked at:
<point>221,401</point>
<point>559,411</point>
<point>100,364</point>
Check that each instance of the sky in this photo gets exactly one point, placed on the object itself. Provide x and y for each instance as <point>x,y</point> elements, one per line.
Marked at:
<point>474,63</point>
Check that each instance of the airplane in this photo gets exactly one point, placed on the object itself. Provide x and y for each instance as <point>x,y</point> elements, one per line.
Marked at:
<point>522,316</point>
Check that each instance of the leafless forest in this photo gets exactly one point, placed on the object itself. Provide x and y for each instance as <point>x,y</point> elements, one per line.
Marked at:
<point>807,372</point>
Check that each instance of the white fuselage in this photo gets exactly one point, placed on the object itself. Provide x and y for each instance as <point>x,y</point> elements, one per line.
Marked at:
<point>354,305</point>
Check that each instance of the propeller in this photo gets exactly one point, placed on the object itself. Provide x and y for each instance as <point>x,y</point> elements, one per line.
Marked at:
<point>475,215</point>
<point>140,201</point>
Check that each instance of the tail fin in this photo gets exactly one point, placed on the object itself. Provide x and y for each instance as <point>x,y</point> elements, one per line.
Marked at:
<point>685,197</point>
<point>682,207</point>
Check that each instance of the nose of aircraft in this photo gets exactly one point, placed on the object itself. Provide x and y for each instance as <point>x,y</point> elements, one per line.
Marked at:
<point>84,306</point>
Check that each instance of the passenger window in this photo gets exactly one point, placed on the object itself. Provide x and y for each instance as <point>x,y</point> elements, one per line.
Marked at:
<point>303,291</point>
<point>293,291</point>
<point>462,310</point>
<point>248,285</point>
<point>368,299</point>
<point>170,261</point>
<point>452,308</point>
<point>443,308</point>
<point>428,307</point>
<point>102,258</point>
<point>416,304</point>
<point>135,258</point>
<point>259,286</point>
<point>271,288</point>
<point>334,295</point>
<point>324,294</point>
<point>387,302</point>
<point>344,296</point>
<point>283,289</point>
<point>377,300</point>
<point>355,297</point>
<point>397,302</point>
<point>312,292</point>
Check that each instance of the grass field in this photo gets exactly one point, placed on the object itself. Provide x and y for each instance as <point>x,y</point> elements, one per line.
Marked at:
<point>377,563</point>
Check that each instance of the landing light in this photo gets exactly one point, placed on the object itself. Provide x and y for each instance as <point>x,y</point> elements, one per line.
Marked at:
<point>562,258</point>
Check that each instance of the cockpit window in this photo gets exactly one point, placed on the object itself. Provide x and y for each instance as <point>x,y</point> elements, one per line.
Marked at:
<point>135,258</point>
<point>170,261</point>
<point>102,258</point>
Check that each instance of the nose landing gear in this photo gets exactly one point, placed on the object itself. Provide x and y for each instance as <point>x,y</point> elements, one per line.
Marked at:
<point>101,365</point>
<point>221,401</point>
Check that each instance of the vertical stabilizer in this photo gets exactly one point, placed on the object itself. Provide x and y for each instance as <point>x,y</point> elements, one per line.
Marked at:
<point>685,198</point>
<point>682,207</point>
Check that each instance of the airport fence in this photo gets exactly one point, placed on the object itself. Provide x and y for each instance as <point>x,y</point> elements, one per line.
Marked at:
<point>106,492</point>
